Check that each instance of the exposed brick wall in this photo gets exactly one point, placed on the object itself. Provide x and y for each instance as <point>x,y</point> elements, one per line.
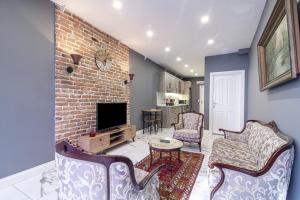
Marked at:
<point>76,94</point>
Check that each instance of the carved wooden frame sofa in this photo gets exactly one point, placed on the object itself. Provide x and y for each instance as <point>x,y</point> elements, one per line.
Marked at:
<point>255,163</point>
<point>189,127</point>
<point>86,176</point>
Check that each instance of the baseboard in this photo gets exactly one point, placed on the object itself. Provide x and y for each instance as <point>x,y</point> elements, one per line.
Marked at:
<point>23,175</point>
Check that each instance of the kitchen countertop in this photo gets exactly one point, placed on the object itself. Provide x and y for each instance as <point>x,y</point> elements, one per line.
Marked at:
<point>173,106</point>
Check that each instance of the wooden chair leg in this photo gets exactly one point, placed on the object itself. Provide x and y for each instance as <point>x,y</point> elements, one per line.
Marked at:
<point>200,146</point>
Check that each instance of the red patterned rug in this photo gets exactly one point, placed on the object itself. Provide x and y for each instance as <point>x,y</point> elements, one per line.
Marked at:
<point>176,181</point>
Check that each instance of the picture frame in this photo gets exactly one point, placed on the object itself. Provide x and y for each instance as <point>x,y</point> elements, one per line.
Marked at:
<point>279,46</point>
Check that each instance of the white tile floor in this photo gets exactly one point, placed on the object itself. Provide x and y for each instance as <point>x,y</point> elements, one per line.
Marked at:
<point>30,189</point>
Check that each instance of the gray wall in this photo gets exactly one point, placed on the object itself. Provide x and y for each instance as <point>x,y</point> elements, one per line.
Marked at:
<point>220,63</point>
<point>195,92</point>
<point>280,104</point>
<point>26,84</point>
<point>144,86</point>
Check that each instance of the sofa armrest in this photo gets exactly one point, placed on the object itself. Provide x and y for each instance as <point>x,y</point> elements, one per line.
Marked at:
<point>255,184</point>
<point>147,179</point>
<point>233,135</point>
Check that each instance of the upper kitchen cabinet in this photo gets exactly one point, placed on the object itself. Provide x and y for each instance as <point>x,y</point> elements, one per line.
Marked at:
<point>187,86</point>
<point>166,82</point>
<point>172,84</point>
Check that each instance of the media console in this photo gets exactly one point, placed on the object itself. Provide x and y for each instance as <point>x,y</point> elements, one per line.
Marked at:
<point>108,139</point>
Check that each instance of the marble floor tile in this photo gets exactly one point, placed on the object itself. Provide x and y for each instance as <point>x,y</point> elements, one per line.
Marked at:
<point>11,193</point>
<point>30,189</point>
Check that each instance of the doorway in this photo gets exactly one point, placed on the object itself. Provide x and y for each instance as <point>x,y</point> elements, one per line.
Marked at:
<point>201,98</point>
<point>226,102</point>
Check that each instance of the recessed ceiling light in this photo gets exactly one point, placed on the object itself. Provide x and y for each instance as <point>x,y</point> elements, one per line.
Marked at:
<point>210,41</point>
<point>178,59</point>
<point>167,49</point>
<point>196,74</point>
<point>118,5</point>
<point>149,33</point>
<point>191,70</point>
<point>204,19</point>
<point>186,65</point>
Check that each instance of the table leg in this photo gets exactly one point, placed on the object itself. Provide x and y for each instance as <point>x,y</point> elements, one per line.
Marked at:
<point>179,157</point>
<point>170,157</point>
<point>150,156</point>
<point>160,155</point>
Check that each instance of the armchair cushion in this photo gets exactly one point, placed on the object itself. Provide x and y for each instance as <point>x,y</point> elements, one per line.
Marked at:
<point>232,153</point>
<point>87,176</point>
<point>188,135</point>
<point>80,179</point>
<point>191,120</point>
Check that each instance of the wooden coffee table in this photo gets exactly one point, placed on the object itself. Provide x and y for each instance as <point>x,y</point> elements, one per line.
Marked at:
<point>155,144</point>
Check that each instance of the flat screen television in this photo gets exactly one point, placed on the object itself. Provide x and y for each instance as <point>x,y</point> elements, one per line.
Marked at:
<point>110,115</point>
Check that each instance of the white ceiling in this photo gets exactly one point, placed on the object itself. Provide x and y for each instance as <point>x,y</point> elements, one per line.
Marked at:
<point>177,24</point>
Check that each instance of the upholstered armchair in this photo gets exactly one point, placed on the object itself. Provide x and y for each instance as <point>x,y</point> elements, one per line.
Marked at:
<point>255,163</point>
<point>189,127</point>
<point>85,176</point>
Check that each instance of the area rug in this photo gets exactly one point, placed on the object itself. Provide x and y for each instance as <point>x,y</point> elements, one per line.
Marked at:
<point>176,181</point>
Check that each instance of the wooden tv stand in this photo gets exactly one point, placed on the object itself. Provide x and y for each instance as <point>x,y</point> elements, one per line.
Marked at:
<point>105,140</point>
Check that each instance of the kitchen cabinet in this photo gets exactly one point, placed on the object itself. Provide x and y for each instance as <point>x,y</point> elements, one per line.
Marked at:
<point>170,114</point>
<point>172,84</point>
<point>187,86</point>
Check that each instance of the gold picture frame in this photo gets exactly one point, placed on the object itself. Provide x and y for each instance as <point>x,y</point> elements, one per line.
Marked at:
<point>279,46</point>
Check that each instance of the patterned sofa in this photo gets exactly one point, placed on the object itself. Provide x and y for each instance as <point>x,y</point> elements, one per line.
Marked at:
<point>90,177</point>
<point>189,127</point>
<point>255,163</point>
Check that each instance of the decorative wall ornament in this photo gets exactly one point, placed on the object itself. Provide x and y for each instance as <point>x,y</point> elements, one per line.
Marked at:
<point>76,59</point>
<point>279,46</point>
<point>126,82</point>
<point>103,59</point>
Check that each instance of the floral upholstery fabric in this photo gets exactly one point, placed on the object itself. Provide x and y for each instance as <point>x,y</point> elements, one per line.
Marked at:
<point>190,121</point>
<point>271,185</point>
<point>83,180</point>
<point>232,153</point>
<point>188,135</point>
<point>79,179</point>
<point>263,142</point>
<point>189,128</point>
<point>122,187</point>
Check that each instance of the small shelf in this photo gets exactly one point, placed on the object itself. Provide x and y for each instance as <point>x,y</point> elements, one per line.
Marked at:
<point>115,137</point>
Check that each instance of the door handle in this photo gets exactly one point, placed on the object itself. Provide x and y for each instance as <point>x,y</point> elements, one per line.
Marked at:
<point>214,105</point>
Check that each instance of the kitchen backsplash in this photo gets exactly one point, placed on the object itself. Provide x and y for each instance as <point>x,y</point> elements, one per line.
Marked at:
<point>164,99</point>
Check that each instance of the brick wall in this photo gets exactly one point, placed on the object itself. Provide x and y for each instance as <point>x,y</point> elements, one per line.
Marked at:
<point>76,94</point>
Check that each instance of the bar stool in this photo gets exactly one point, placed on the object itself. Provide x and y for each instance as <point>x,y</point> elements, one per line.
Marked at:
<point>158,120</point>
<point>148,120</point>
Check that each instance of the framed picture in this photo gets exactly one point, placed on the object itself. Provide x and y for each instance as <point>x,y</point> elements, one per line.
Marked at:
<point>279,46</point>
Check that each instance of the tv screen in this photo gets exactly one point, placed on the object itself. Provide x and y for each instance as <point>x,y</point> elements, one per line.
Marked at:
<point>110,115</point>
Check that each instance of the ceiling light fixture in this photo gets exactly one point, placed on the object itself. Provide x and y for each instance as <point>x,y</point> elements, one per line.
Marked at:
<point>196,74</point>
<point>178,59</point>
<point>167,49</point>
<point>192,70</point>
<point>149,33</point>
<point>204,19</point>
<point>186,65</point>
<point>117,4</point>
<point>210,41</point>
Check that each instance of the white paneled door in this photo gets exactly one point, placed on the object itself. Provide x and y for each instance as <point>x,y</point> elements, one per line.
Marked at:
<point>201,98</point>
<point>227,90</point>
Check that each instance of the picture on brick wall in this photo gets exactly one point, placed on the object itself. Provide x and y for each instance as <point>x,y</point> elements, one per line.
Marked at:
<point>278,47</point>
